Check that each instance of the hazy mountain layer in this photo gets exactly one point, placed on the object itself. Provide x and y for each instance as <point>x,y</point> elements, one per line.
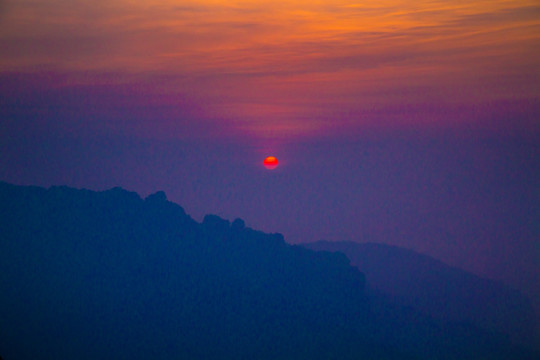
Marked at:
<point>86,275</point>
<point>439,290</point>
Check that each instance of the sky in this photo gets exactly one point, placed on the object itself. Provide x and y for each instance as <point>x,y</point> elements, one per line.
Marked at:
<point>410,123</point>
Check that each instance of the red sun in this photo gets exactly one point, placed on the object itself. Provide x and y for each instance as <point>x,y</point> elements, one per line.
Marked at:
<point>270,162</point>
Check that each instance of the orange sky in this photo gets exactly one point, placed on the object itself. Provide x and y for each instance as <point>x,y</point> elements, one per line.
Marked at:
<point>278,68</point>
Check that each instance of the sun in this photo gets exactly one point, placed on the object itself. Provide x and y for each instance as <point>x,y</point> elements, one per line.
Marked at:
<point>270,162</point>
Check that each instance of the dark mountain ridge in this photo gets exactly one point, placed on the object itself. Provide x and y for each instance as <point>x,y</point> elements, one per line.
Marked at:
<point>88,275</point>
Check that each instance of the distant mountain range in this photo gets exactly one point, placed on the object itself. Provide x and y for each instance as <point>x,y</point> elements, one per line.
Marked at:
<point>438,290</point>
<point>86,275</point>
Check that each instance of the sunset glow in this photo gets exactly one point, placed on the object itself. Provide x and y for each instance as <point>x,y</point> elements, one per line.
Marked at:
<point>282,68</point>
<point>408,124</point>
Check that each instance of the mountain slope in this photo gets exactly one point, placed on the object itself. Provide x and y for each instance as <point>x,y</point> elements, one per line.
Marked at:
<point>439,290</point>
<point>107,274</point>
<point>90,275</point>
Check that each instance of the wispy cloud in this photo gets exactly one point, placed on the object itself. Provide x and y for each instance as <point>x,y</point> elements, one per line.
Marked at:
<point>295,56</point>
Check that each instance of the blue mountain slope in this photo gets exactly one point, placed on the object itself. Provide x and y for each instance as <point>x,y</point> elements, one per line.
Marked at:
<point>86,275</point>
<point>439,290</point>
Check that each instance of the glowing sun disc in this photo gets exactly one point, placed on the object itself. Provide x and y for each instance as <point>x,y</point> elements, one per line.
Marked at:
<point>270,162</point>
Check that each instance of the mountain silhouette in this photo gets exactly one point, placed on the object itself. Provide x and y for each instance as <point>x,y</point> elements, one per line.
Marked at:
<point>86,275</point>
<point>439,290</point>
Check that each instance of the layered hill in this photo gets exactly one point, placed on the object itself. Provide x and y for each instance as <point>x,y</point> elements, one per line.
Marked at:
<point>439,290</point>
<point>86,275</point>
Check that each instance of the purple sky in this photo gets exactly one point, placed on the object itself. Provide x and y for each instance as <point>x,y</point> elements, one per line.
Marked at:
<point>411,125</point>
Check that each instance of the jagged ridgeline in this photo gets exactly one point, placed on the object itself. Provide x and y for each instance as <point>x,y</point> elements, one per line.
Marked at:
<point>108,275</point>
<point>87,275</point>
